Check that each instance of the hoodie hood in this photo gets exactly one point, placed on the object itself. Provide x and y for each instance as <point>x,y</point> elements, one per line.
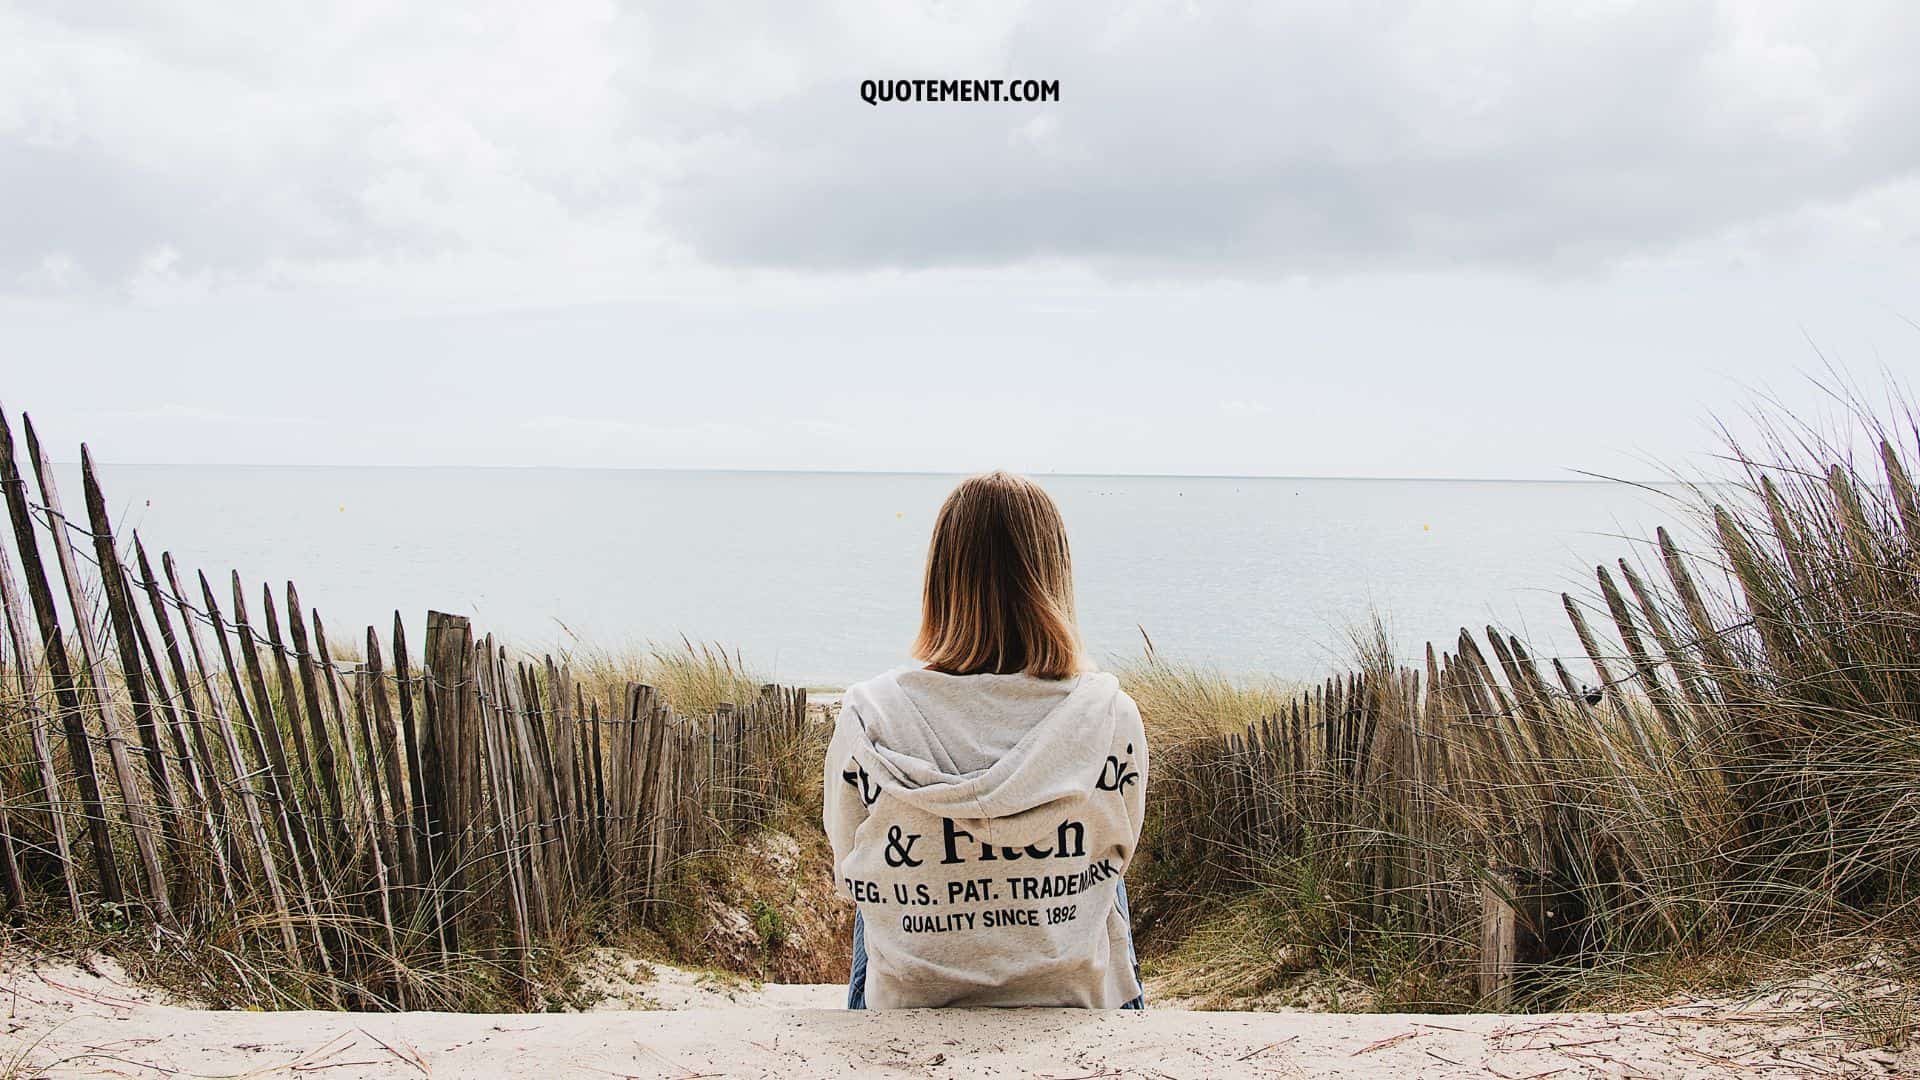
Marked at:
<point>1005,753</point>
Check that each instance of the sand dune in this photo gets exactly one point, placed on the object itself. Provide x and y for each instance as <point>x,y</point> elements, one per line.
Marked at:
<point>65,1021</point>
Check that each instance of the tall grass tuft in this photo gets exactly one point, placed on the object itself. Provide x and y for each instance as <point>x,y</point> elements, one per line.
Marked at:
<point>1179,702</point>
<point>691,677</point>
<point>1746,777</point>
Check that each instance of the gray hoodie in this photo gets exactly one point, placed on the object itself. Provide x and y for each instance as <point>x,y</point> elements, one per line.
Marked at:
<point>982,823</point>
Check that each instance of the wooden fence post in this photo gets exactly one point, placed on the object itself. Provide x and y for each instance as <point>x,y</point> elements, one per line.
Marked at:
<point>139,697</point>
<point>320,836</point>
<point>27,678</point>
<point>493,731</point>
<point>321,739</point>
<point>249,800</point>
<point>134,803</point>
<point>65,691</point>
<point>602,833</point>
<point>176,724</point>
<point>444,755</point>
<point>410,736</point>
<point>9,861</point>
<point>365,789</point>
<point>227,851</point>
<point>265,726</point>
<point>262,764</point>
<point>386,741</point>
<point>1499,940</point>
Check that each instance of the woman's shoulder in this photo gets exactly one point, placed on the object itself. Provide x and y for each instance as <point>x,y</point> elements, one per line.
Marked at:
<point>1106,684</point>
<point>877,684</point>
<point>1124,705</point>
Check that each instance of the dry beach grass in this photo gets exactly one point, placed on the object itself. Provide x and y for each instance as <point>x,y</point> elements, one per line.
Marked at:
<point>1739,794</point>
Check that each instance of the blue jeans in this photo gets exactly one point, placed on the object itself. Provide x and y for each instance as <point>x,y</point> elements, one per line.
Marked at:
<point>857,979</point>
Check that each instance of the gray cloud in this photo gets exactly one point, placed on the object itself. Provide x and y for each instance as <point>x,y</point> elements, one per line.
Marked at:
<point>1301,142</point>
<point>251,141</point>
<point>262,141</point>
<point>86,210</point>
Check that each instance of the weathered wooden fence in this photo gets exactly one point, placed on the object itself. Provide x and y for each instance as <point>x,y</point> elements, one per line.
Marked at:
<point>193,762</point>
<point>1477,803</point>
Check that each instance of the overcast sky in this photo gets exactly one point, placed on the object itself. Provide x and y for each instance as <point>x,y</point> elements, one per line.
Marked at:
<point>1497,239</point>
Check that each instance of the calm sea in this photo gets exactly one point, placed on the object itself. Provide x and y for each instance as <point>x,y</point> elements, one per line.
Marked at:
<point>814,577</point>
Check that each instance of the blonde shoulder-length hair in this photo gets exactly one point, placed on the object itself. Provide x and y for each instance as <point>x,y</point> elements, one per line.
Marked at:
<point>999,586</point>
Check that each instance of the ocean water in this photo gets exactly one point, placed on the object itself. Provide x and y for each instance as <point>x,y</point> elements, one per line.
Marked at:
<point>814,577</point>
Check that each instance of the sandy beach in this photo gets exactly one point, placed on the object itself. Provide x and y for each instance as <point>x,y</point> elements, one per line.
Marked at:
<point>68,1021</point>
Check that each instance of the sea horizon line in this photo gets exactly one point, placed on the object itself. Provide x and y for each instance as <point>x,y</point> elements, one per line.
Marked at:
<point>758,471</point>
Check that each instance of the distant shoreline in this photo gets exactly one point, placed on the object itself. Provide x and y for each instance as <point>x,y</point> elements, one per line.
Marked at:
<point>929,473</point>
